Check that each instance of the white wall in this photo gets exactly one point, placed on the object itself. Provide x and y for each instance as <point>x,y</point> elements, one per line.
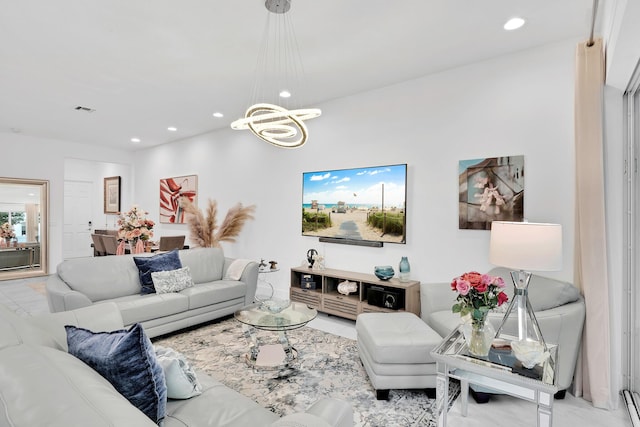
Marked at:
<point>514,105</point>
<point>621,30</point>
<point>40,158</point>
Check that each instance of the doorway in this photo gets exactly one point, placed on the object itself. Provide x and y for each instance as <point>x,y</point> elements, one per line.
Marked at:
<point>78,223</point>
<point>24,213</point>
<point>84,202</point>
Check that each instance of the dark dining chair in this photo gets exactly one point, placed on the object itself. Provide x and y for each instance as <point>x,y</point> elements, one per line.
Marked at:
<point>169,243</point>
<point>110,244</point>
<point>105,231</point>
<point>98,246</point>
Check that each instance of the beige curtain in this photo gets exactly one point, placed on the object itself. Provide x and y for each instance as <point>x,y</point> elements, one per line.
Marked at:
<point>593,379</point>
<point>32,221</point>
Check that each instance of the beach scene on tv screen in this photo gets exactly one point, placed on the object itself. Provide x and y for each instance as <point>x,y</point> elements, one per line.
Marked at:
<point>356,204</point>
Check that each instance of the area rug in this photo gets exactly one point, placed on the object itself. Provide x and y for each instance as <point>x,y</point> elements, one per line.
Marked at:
<point>327,366</point>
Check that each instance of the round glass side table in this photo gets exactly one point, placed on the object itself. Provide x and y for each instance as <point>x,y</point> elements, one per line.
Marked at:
<point>265,289</point>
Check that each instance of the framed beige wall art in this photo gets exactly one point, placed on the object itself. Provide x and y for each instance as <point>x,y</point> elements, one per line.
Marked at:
<point>112,195</point>
<point>171,190</point>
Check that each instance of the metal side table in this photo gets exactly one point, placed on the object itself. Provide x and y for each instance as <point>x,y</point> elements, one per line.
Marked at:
<point>499,371</point>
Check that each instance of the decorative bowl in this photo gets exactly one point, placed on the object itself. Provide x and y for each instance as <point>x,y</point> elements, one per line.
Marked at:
<point>347,287</point>
<point>383,272</point>
<point>529,353</point>
<point>275,305</point>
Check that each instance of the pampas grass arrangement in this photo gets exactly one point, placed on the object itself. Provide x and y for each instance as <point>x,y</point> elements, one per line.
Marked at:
<point>204,229</point>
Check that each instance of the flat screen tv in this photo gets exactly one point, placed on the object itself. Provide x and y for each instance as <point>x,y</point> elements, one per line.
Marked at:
<point>360,206</point>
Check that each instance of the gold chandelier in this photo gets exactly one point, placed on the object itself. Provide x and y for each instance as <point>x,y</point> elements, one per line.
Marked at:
<point>278,84</point>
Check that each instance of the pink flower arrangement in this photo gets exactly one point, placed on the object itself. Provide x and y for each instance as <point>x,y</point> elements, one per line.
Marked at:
<point>6,231</point>
<point>477,294</point>
<point>134,225</point>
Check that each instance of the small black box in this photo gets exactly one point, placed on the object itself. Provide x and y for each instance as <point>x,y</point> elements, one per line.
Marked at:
<point>380,297</point>
<point>308,285</point>
<point>307,281</point>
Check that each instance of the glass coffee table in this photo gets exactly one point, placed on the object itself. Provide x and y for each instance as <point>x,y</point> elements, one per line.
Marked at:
<point>500,371</point>
<point>261,316</point>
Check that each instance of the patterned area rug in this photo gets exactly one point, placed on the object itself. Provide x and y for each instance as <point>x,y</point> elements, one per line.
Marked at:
<point>327,365</point>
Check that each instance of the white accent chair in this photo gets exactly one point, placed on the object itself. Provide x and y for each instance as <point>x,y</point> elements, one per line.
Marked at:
<point>558,306</point>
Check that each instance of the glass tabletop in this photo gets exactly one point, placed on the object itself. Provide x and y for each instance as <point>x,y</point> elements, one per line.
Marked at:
<point>294,316</point>
<point>501,358</point>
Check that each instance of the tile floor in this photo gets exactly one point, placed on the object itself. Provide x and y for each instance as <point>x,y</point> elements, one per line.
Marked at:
<point>26,297</point>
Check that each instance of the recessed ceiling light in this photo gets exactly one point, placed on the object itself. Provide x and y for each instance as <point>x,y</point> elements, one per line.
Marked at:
<point>285,94</point>
<point>218,115</point>
<point>172,129</point>
<point>513,24</point>
<point>135,140</point>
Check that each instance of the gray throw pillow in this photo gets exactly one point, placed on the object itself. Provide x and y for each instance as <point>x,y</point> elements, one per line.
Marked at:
<point>172,280</point>
<point>128,361</point>
<point>181,379</point>
<point>544,292</point>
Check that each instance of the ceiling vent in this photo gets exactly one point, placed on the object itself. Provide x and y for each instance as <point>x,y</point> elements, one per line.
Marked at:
<point>85,109</point>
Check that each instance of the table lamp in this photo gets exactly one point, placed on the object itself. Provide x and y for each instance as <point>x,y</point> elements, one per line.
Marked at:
<point>525,247</point>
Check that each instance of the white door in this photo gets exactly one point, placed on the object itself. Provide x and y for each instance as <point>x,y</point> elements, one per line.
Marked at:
<point>77,219</point>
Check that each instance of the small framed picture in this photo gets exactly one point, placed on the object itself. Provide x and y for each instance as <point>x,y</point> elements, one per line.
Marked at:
<point>112,195</point>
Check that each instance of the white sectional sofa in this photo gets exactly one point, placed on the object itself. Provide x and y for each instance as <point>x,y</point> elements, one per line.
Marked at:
<point>41,384</point>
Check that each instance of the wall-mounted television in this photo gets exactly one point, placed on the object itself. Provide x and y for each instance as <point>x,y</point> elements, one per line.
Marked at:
<point>360,206</point>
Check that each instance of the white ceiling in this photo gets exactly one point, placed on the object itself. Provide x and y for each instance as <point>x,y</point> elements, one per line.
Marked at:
<point>147,65</point>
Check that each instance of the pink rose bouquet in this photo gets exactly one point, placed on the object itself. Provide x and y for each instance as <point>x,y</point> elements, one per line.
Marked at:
<point>477,294</point>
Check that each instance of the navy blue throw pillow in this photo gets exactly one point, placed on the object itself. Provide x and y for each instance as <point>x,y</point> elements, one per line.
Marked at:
<point>160,262</point>
<point>127,359</point>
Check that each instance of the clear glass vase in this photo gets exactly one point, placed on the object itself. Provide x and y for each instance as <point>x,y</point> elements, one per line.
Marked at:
<point>479,335</point>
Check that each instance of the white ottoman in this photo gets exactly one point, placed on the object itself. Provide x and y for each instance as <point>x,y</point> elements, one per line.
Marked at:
<point>395,349</point>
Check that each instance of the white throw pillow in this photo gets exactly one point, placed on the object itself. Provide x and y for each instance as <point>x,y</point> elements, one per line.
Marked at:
<point>234,272</point>
<point>172,280</point>
<point>180,378</point>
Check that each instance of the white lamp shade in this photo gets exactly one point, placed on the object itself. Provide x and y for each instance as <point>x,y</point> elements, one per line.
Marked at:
<point>527,246</point>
